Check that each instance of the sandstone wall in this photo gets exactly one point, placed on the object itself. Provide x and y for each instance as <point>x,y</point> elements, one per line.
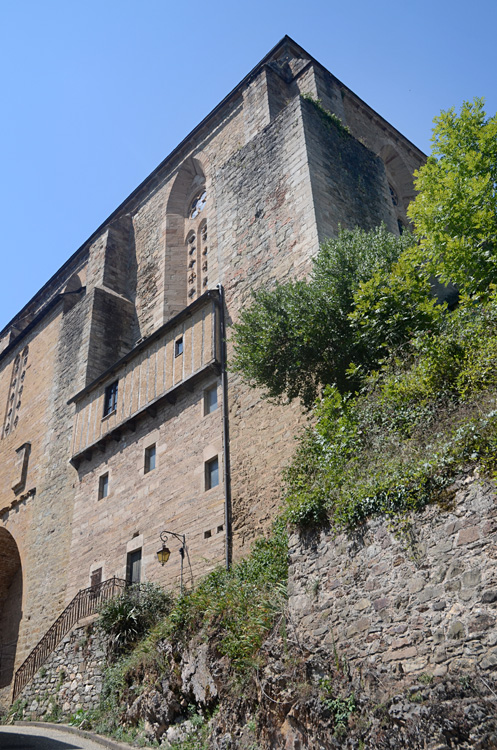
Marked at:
<point>392,606</point>
<point>277,182</point>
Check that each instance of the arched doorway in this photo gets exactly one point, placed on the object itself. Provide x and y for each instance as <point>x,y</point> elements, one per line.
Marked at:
<point>10,609</point>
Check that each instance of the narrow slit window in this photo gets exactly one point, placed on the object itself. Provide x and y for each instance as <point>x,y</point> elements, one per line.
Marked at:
<point>110,398</point>
<point>210,400</point>
<point>178,346</point>
<point>150,454</point>
<point>133,567</point>
<point>103,486</point>
<point>211,473</point>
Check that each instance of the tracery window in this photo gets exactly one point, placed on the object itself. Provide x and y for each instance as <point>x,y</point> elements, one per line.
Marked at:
<point>15,392</point>
<point>197,205</point>
<point>196,247</point>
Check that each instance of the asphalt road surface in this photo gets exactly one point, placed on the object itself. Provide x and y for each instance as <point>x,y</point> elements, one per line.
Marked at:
<point>41,738</point>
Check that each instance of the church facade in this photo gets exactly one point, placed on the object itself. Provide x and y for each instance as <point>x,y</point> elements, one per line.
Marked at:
<point>119,418</point>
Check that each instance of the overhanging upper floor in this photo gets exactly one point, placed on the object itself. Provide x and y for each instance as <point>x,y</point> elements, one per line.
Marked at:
<point>173,357</point>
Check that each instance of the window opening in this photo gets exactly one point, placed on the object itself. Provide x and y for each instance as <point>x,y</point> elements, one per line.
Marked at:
<point>211,473</point>
<point>96,578</point>
<point>178,346</point>
<point>393,196</point>
<point>15,392</point>
<point>103,486</point>
<point>210,400</point>
<point>197,205</point>
<point>110,398</point>
<point>133,566</point>
<point>149,458</point>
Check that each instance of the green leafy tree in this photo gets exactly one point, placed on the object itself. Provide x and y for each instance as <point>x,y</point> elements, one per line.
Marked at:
<point>297,337</point>
<point>390,308</point>
<point>455,211</point>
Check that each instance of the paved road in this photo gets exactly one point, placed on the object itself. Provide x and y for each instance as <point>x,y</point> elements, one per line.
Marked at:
<point>43,738</point>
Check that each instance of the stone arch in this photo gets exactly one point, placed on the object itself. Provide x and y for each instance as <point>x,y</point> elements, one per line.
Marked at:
<point>73,285</point>
<point>10,606</point>
<point>189,181</point>
<point>400,181</point>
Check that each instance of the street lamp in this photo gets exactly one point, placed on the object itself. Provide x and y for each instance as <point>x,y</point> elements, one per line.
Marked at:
<point>164,552</point>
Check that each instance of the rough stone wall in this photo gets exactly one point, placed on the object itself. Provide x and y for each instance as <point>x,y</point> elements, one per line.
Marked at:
<point>71,678</point>
<point>273,192</point>
<point>39,515</point>
<point>394,605</point>
<point>266,232</point>
<point>349,184</point>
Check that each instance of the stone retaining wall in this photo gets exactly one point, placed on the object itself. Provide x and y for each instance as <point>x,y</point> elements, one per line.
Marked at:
<point>70,679</point>
<point>401,604</point>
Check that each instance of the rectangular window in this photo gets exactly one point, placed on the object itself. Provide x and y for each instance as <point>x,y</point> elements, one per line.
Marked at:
<point>133,566</point>
<point>103,486</point>
<point>210,400</point>
<point>178,346</point>
<point>110,398</point>
<point>149,458</point>
<point>211,473</point>
<point>96,578</point>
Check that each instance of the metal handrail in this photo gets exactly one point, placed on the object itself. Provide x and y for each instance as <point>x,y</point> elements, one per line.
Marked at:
<point>85,603</point>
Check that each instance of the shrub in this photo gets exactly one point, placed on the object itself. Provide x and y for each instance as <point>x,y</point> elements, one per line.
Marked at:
<point>132,614</point>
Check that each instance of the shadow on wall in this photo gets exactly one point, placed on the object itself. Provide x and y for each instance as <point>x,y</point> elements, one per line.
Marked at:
<point>10,605</point>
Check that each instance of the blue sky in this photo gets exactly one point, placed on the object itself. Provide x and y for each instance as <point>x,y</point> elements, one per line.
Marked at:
<point>95,94</point>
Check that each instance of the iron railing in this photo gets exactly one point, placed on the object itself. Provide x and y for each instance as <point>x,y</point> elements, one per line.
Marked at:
<point>85,603</point>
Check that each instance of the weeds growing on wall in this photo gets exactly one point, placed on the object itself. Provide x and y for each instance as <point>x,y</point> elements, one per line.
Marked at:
<point>241,602</point>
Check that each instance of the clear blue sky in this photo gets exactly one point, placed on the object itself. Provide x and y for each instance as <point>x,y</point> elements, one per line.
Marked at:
<point>96,93</point>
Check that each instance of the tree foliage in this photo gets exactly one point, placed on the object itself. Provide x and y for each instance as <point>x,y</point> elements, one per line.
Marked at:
<point>455,211</point>
<point>297,337</point>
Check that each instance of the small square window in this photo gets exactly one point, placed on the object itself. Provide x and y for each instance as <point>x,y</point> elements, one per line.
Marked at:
<point>178,346</point>
<point>150,454</point>
<point>210,400</point>
<point>211,473</point>
<point>110,398</point>
<point>103,486</point>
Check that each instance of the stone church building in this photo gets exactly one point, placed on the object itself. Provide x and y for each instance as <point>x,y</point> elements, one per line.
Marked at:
<point>118,419</point>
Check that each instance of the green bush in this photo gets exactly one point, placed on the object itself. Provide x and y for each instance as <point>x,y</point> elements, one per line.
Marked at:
<point>397,444</point>
<point>129,616</point>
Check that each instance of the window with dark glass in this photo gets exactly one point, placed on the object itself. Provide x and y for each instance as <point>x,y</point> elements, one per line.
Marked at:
<point>178,346</point>
<point>211,473</point>
<point>133,566</point>
<point>96,578</point>
<point>150,454</point>
<point>210,400</point>
<point>110,398</point>
<point>103,486</point>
